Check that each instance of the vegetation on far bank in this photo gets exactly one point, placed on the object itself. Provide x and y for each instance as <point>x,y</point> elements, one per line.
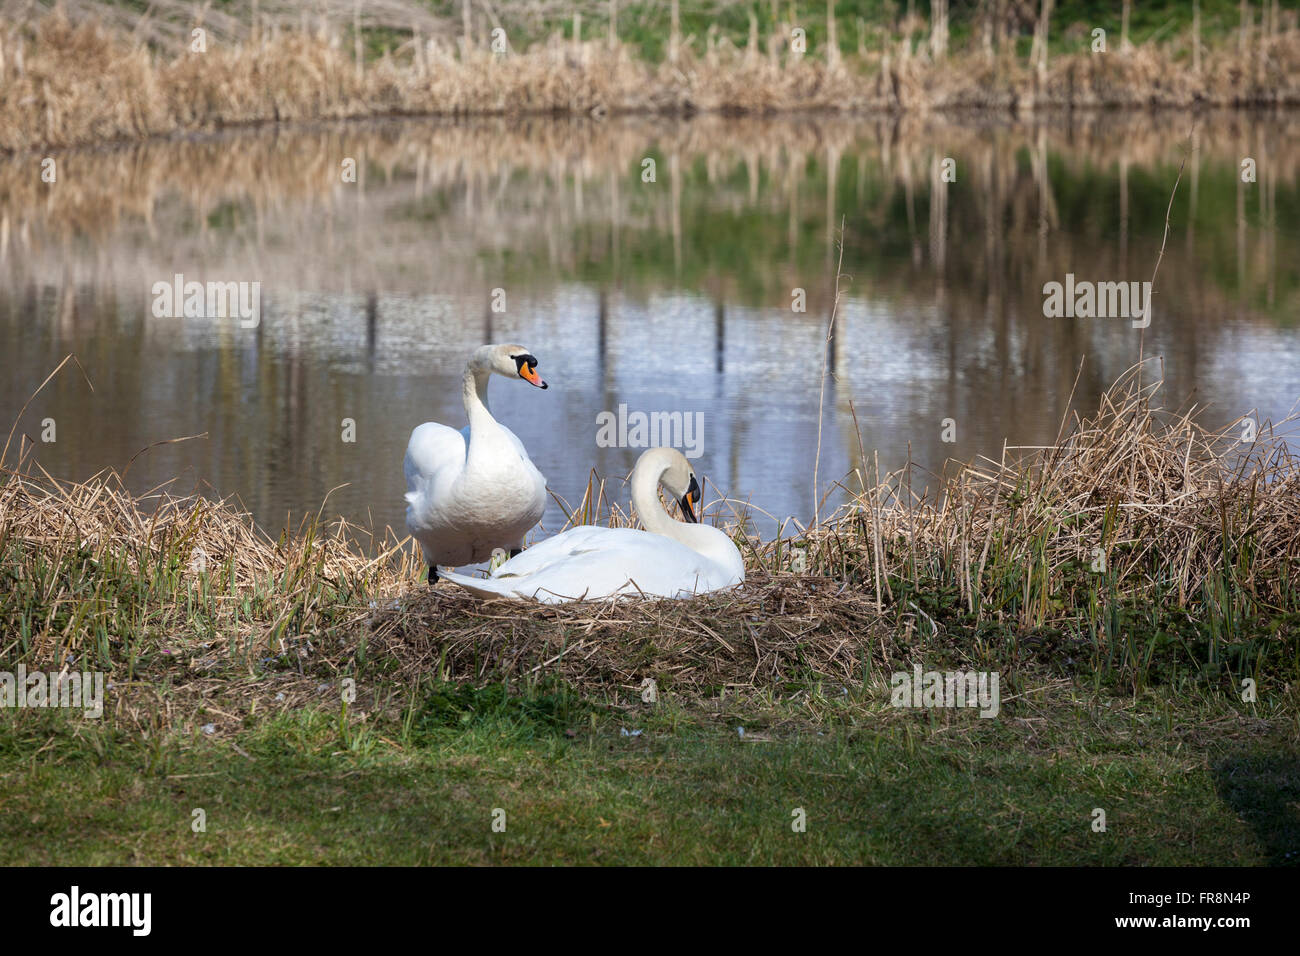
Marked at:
<point>91,72</point>
<point>1123,583</point>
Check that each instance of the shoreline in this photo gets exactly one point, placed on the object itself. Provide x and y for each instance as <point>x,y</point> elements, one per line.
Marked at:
<point>964,116</point>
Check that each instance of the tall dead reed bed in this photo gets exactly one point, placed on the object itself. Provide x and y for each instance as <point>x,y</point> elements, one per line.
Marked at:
<point>69,80</point>
<point>1139,538</point>
<point>1139,548</point>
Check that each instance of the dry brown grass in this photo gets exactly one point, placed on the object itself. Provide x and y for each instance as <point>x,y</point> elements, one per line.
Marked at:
<point>195,610</point>
<point>66,83</point>
<point>1177,512</point>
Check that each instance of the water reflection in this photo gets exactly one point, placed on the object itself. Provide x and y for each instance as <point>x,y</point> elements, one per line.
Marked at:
<point>668,295</point>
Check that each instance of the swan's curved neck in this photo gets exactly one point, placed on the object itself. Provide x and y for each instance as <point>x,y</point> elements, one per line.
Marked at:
<point>645,498</point>
<point>486,438</point>
<point>475,388</point>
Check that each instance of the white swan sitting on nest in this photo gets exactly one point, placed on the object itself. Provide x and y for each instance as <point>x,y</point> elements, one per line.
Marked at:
<point>474,490</point>
<point>669,559</point>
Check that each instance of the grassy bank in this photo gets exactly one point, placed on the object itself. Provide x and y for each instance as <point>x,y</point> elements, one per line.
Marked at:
<point>320,704</point>
<point>1183,781</point>
<point>94,72</point>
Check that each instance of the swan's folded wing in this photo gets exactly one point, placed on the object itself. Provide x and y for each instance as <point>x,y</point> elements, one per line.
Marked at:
<point>602,562</point>
<point>514,439</point>
<point>432,447</point>
<point>563,548</point>
<point>585,575</point>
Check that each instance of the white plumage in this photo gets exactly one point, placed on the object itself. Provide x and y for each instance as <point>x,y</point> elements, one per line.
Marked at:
<point>669,559</point>
<point>474,490</point>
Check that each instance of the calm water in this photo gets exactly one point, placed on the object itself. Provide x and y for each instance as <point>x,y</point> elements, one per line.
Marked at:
<point>673,295</point>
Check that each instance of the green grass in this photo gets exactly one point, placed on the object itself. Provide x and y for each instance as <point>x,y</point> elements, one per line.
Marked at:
<point>1181,781</point>
<point>645,26</point>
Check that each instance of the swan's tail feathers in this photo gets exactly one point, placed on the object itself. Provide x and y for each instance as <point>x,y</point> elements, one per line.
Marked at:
<point>483,587</point>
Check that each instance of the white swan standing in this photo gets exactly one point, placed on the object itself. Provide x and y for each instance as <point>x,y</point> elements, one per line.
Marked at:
<point>474,490</point>
<point>668,559</point>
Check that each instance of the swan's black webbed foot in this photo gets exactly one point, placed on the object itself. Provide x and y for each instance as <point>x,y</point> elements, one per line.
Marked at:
<point>433,575</point>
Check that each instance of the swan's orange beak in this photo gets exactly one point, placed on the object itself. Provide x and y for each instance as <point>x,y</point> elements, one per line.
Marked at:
<point>528,370</point>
